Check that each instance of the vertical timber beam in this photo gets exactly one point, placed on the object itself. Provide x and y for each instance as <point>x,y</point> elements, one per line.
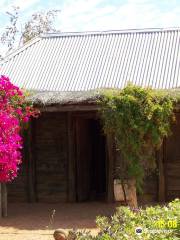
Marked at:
<point>161,180</point>
<point>0,201</point>
<point>71,160</point>
<point>4,199</point>
<point>110,170</point>
<point>30,165</point>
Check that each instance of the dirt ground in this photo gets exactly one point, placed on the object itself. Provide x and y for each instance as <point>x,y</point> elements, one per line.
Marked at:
<point>34,221</point>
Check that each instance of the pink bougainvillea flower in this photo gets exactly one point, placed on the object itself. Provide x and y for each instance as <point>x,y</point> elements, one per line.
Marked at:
<point>13,111</point>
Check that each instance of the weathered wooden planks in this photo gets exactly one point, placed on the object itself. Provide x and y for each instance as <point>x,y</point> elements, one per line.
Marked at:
<point>71,160</point>
<point>110,156</point>
<point>161,187</point>
<point>172,162</point>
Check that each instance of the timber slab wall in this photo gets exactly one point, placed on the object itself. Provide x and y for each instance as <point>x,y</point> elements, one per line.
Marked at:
<point>49,156</point>
<point>172,162</point>
<point>44,175</point>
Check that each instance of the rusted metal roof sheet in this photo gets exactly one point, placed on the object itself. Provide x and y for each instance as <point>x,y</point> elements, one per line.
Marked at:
<point>94,60</point>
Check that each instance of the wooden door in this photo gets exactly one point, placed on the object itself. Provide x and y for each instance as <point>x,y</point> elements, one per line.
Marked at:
<point>172,162</point>
<point>83,159</point>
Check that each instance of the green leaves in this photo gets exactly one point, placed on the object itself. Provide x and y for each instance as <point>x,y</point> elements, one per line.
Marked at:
<point>139,119</point>
<point>155,223</point>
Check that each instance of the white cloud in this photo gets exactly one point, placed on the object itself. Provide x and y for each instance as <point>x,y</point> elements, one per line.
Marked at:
<point>83,15</point>
<point>24,4</point>
<point>79,15</point>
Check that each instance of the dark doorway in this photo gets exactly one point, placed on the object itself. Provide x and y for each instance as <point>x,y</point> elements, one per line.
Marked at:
<point>172,162</point>
<point>90,161</point>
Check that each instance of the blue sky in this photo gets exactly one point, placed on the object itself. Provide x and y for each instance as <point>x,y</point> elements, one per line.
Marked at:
<point>83,15</point>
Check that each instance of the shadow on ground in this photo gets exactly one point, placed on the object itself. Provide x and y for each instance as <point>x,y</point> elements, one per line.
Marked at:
<point>37,216</point>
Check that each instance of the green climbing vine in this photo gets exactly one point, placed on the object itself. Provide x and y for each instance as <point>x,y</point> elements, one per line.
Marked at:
<point>139,118</point>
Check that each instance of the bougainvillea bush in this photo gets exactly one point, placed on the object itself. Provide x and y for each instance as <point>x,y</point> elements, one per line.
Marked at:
<point>14,111</point>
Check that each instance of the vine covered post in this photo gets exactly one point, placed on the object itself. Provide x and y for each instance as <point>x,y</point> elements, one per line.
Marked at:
<point>161,177</point>
<point>110,151</point>
<point>139,119</point>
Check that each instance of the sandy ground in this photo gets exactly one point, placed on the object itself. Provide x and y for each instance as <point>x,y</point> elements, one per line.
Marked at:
<point>34,221</point>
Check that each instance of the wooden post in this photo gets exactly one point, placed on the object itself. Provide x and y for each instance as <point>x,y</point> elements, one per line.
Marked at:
<point>71,160</point>
<point>4,199</point>
<point>161,190</point>
<point>30,165</point>
<point>110,170</point>
<point>0,201</point>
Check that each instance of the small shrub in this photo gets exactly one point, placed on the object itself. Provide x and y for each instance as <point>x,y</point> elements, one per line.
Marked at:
<point>157,223</point>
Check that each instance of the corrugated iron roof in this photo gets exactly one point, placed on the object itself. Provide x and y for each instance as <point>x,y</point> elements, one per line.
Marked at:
<point>93,60</point>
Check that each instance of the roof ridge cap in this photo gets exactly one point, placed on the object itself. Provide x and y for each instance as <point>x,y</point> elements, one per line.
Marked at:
<point>121,31</point>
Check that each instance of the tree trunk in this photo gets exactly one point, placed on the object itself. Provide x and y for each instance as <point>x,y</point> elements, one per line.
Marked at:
<point>124,192</point>
<point>132,193</point>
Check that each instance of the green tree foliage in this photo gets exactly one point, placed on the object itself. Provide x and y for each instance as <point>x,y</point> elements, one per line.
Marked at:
<point>40,22</point>
<point>139,119</point>
<point>17,33</point>
<point>8,37</point>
